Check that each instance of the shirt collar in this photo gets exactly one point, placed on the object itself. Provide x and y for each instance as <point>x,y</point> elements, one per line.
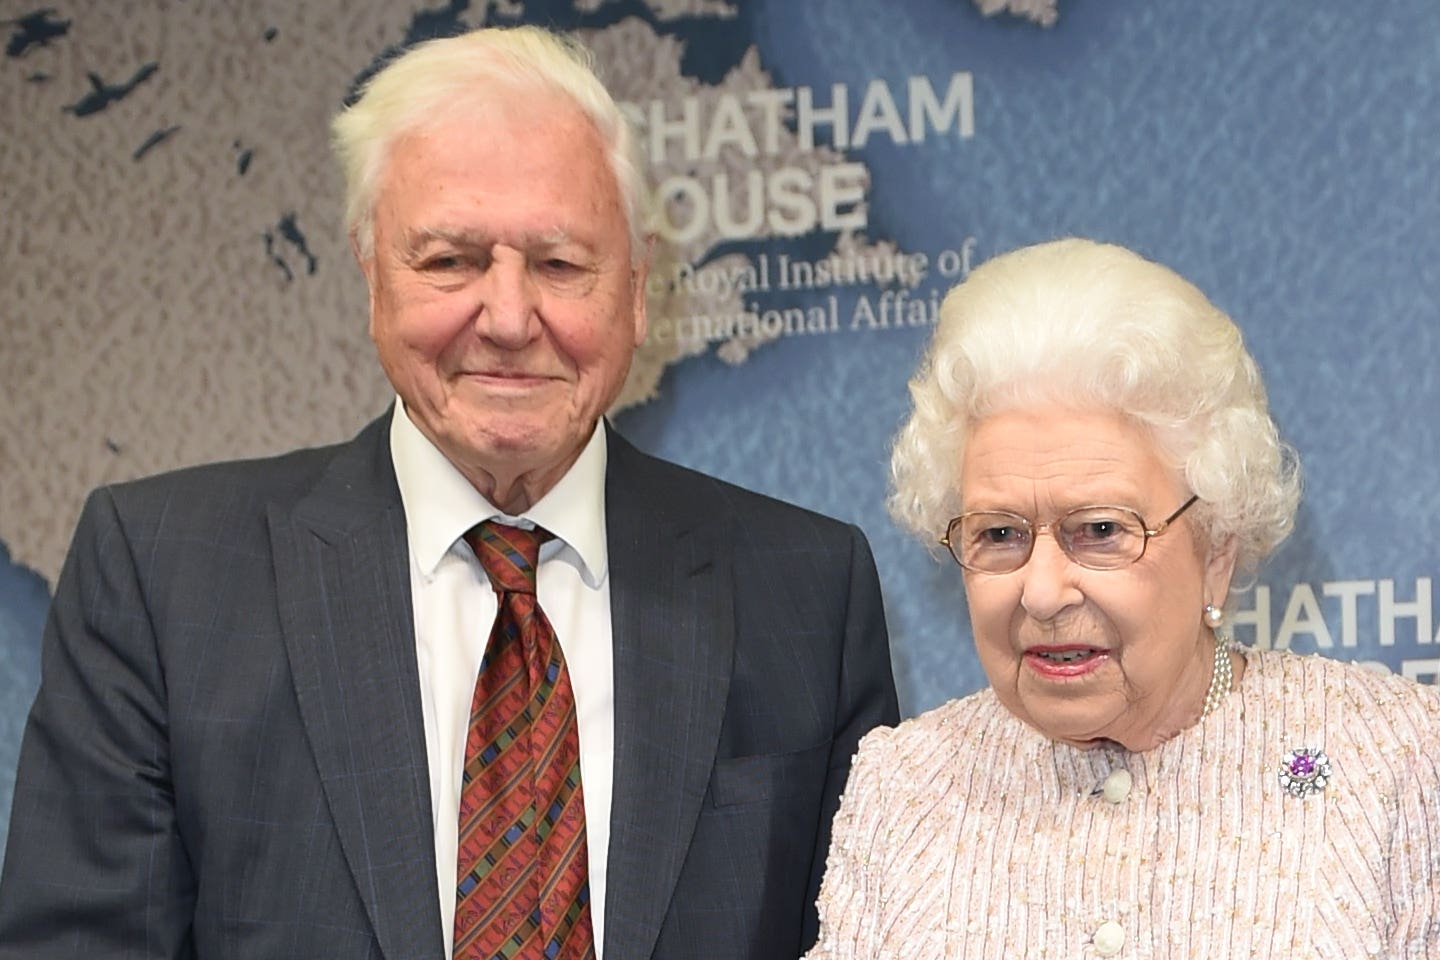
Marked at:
<point>440,504</point>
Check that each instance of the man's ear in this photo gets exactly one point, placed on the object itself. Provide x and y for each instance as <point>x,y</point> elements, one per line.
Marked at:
<point>364,261</point>
<point>639,290</point>
<point>367,267</point>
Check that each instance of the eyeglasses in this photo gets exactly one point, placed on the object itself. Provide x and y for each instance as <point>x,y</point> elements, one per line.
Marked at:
<point>1097,538</point>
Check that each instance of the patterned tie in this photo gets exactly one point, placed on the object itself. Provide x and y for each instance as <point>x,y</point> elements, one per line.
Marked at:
<point>523,889</point>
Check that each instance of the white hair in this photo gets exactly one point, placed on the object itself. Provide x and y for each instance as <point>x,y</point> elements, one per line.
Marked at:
<point>1093,325</point>
<point>442,79</point>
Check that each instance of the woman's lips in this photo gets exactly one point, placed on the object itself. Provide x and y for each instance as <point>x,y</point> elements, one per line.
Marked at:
<point>1064,662</point>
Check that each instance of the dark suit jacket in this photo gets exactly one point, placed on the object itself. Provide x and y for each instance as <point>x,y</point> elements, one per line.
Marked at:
<point>226,758</point>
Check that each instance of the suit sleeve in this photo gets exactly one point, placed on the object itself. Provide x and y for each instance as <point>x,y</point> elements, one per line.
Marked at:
<point>94,865</point>
<point>866,700</point>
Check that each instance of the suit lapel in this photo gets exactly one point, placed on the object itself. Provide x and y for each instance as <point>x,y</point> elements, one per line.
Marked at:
<point>672,617</point>
<point>343,580</point>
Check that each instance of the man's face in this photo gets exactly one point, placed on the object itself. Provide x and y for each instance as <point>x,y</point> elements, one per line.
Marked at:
<point>503,301</point>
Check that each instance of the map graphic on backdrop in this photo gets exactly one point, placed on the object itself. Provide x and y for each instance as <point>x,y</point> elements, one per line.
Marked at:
<point>179,289</point>
<point>737,162</point>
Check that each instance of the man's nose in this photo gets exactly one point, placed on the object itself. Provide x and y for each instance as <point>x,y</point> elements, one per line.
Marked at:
<point>508,313</point>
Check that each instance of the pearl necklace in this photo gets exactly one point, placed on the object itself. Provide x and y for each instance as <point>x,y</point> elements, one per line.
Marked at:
<point>1220,677</point>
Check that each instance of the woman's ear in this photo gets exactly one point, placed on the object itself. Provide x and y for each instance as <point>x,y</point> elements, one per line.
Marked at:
<point>1220,570</point>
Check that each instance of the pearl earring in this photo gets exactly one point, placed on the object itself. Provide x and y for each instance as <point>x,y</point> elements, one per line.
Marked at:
<point>1214,616</point>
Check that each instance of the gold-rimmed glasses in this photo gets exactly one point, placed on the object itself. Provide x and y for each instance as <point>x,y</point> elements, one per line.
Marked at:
<point>1097,537</point>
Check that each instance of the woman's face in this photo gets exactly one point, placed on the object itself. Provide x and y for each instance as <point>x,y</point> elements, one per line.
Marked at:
<point>1089,655</point>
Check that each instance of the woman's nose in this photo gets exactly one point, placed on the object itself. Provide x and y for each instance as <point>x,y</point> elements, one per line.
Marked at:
<point>1049,579</point>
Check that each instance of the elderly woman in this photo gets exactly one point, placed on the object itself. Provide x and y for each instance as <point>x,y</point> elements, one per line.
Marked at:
<point>1091,443</point>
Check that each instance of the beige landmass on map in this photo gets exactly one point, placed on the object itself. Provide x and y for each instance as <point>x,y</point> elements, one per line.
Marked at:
<point>148,322</point>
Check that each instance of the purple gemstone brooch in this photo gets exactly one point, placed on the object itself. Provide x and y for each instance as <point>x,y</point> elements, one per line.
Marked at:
<point>1304,772</point>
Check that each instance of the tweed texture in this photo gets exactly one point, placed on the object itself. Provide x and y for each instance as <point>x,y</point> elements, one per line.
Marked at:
<point>965,833</point>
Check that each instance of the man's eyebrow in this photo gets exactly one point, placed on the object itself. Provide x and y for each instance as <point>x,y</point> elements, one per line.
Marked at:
<point>418,238</point>
<point>549,239</point>
<point>461,236</point>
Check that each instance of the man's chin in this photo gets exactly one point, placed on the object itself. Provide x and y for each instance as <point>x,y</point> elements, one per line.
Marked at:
<point>529,445</point>
<point>510,441</point>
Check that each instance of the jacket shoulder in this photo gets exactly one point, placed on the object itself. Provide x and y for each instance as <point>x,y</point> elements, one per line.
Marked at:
<point>228,501</point>
<point>278,477</point>
<point>664,488</point>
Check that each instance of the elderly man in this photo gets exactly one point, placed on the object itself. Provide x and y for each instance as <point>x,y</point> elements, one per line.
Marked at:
<point>485,681</point>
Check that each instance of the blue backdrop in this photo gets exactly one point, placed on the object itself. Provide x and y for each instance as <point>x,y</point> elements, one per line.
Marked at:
<point>1280,156</point>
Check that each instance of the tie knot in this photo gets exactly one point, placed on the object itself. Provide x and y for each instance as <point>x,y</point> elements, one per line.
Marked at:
<point>508,554</point>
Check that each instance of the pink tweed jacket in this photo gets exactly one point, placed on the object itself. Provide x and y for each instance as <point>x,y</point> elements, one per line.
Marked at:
<point>964,833</point>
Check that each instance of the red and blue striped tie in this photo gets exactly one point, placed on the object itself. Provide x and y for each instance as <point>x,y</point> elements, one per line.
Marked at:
<point>523,890</point>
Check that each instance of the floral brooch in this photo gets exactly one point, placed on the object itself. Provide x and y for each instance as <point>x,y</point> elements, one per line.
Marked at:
<point>1304,772</point>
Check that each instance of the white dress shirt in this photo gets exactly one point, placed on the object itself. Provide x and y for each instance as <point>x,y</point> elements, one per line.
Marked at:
<point>455,608</point>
